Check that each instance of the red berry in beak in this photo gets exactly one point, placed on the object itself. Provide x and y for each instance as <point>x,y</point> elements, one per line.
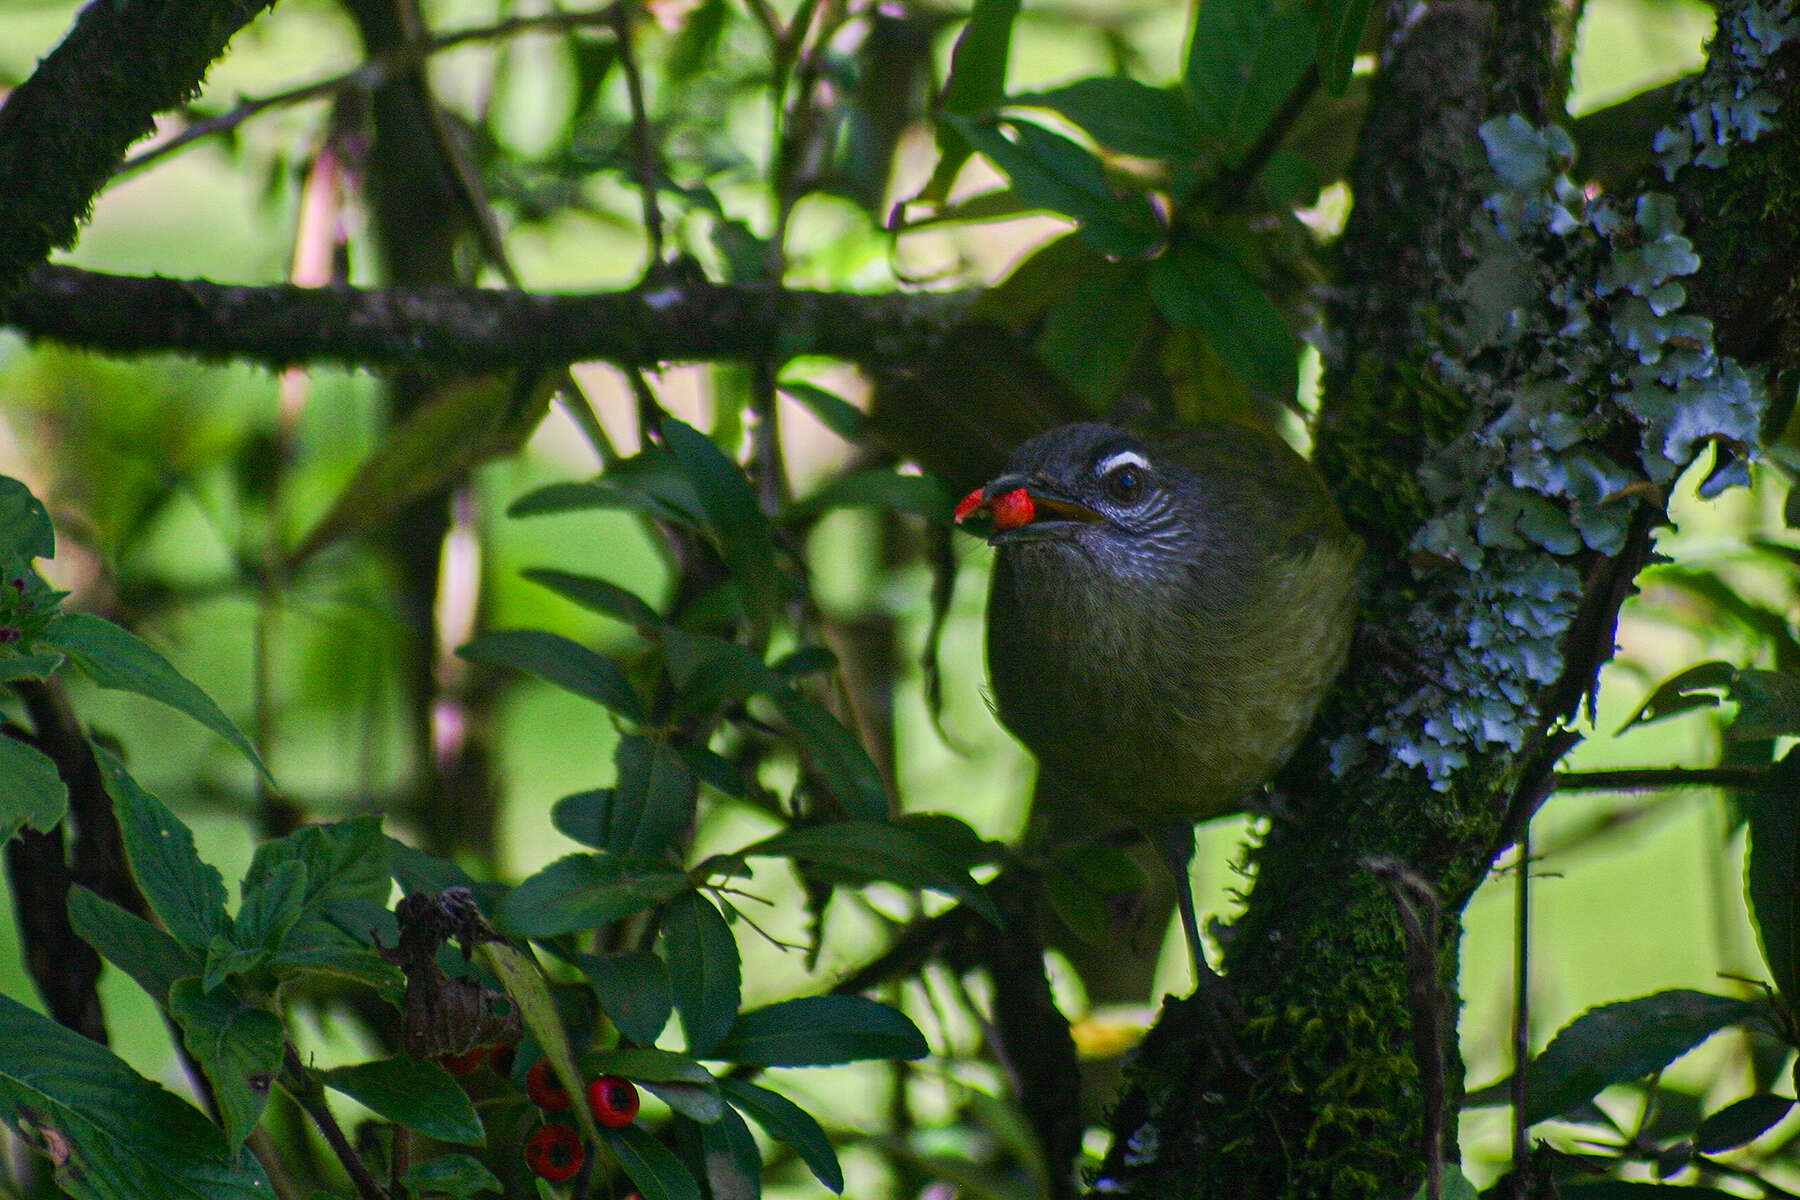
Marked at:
<point>1013,509</point>
<point>971,504</point>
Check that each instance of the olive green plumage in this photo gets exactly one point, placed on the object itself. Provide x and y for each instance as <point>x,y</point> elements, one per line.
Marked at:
<point>1167,615</point>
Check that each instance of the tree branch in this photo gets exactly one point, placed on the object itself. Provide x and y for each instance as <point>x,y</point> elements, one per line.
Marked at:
<point>65,130</point>
<point>458,330</point>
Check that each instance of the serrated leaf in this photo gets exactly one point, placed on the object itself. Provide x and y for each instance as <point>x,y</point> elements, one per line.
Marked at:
<point>835,413</point>
<point>31,789</point>
<point>187,895</point>
<point>1125,115</point>
<point>633,990</point>
<point>821,1031</point>
<point>454,1175</point>
<point>345,860</point>
<point>127,941</point>
<point>25,529</point>
<point>652,1166</point>
<point>787,1122</point>
<point>420,1095</point>
<point>270,907</point>
<point>558,660</point>
<point>114,1133</point>
<point>1622,1042</point>
<point>892,491</point>
<point>1199,287</point>
<point>877,850</point>
<point>1244,60</point>
<point>237,1044</point>
<point>118,659</point>
<point>1741,1123</point>
<point>737,524</point>
<point>597,595</point>
<point>704,971</point>
<point>836,758</point>
<point>585,891</point>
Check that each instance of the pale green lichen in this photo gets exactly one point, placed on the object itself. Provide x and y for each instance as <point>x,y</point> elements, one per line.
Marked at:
<point>1570,340</point>
<point>1729,103</point>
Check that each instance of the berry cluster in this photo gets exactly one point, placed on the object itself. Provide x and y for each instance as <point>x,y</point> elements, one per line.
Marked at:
<point>555,1152</point>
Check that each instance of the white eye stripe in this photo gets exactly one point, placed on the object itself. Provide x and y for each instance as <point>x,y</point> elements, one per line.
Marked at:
<point>1121,458</point>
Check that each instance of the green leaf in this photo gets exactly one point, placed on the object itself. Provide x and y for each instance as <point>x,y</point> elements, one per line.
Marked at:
<point>726,1152</point>
<point>31,790</point>
<point>1051,172</point>
<point>1094,332</point>
<point>1625,1189</point>
<point>977,83</point>
<point>892,491</point>
<point>270,907</point>
<point>837,759</point>
<point>704,970</point>
<point>118,659</point>
<point>187,895</point>
<point>1699,686</point>
<point>1770,869</point>
<point>462,423</point>
<point>346,860</point>
<point>585,891</point>
<point>821,1031</point>
<point>25,529</point>
<point>1618,1043</point>
<point>111,1132</point>
<point>597,595</point>
<point>522,981</point>
<point>633,990</point>
<point>132,944</point>
<point>422,1096</point>
<point>1198,287</point>
<point>787,1122</point>
<point>709,671</point>
<point>1338,25</point>
<point>835,413</point>
<point>28,666</point>
<point>653,800</point>
<point>869,850</point>
<point>1125,115</point>
<point>1768,704</point>
<point>733,517</point>
<point>237,1044</point>
<point>1244,61</point>
<point>454,1175</point>
<point>1740,1123</point>
<point>315,948</point>
<point>652,1166</point>
<point>555,659</point>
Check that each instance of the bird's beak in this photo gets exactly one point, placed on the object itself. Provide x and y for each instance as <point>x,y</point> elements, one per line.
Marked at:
<point>1018,508</point>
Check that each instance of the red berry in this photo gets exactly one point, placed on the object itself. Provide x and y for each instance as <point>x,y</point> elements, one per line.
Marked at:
<point>613,1101</point>
<point>466,1063</point>
<point>971,504</point>
<point>542,1086</point>
<point>554,1153</point>
<point>1014,509</point>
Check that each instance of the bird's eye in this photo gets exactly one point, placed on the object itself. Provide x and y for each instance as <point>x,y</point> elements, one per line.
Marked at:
<point>1124,484</point>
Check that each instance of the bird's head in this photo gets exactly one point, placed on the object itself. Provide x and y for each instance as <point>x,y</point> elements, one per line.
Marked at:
<point>1095,491</point>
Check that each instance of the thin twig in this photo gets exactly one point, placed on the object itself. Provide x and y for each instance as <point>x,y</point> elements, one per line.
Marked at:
<point>309,1093</point>
<point>643,154</point>
<point>369,76</point>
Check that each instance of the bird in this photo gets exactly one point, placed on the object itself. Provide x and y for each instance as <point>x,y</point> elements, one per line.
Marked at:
<point>1166,610</point>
